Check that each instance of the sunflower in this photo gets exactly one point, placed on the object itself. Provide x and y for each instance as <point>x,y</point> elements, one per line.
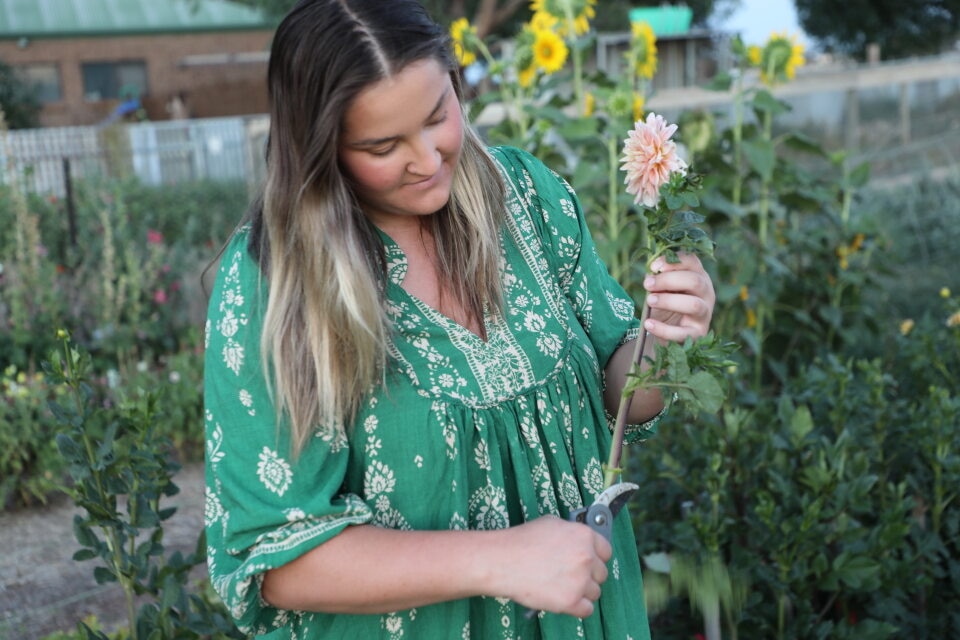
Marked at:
<point>525,77</point>
<point>461,32</point>
<point>542,21</point>
<point>589,104</point>
<point>779,58</point>
<point>549,51</point>
<point>642,55</point>
<point>639,102</point>
<point>581,11</point>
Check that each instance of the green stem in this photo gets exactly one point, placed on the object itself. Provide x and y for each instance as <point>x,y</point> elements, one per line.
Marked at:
<point>736,195</point>
<point>613,470</point>
<point>577,62</point>
<point>512,101</point>
<point>613,211</point>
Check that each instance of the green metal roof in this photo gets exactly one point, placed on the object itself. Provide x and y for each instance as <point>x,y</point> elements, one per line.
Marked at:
<point>72,18</point>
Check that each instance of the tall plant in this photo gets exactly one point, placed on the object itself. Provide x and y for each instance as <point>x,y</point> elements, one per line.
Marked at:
<point>121,471</point>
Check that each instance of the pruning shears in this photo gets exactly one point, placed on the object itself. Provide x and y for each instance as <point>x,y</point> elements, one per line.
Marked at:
<point>600,514</point>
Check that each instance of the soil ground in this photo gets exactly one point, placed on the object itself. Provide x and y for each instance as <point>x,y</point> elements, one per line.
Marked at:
<point>43,590</point>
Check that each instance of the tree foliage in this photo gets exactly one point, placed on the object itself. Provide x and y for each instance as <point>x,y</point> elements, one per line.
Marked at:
<point>493,16</point>
<point>900,27</point>
<point>20,106</point>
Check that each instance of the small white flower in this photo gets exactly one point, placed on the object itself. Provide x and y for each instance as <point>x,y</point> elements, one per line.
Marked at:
<point>274,472</point>
<point>295,514</point>
<point>228,324</point>
<point>378,479</point>
<point>233,356</point>
<point>534,322</point>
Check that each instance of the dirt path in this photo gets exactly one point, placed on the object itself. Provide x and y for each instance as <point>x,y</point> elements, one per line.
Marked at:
<point>43,590</point>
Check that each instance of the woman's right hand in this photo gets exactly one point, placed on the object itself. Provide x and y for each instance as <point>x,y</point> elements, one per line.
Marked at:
<point>553,565</point>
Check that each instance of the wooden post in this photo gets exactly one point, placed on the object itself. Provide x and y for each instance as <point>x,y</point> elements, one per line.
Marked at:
<point>904,113</point>
<point>71,207</point>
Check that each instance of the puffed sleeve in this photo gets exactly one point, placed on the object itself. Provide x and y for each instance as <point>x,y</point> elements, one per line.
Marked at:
<point>264,506</point>
<point>601,305</point>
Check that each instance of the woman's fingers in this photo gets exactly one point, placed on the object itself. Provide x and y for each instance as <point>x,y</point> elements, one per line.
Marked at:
<point>681,299</point>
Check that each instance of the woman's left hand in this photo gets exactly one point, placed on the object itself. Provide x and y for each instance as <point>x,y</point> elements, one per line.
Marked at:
<point>681,299</point>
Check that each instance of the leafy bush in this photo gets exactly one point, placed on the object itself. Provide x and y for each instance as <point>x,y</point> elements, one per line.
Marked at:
<point>119,480</point>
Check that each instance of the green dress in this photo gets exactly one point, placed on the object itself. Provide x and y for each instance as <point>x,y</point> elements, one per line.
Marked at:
<point>466,434</point>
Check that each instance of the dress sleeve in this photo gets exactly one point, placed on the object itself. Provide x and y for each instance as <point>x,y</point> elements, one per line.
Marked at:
<point>264,507</point>
<point>602,307</point>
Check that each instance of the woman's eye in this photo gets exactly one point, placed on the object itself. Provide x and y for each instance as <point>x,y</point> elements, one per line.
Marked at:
<point>381,151</point>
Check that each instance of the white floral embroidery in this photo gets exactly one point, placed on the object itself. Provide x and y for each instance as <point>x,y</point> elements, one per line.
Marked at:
<point>212,509</point>
<point>593,477</point>
<point>488,509</point>
<point>378,479</point>
<point>481,455</point>
<point>569,492</point>
<point>274,472</point>
<point>294,514</point>
<point>549,345</point>
<point>622,308</point>
<point>228,325</point>
<point>457,522</point>
<point>233,354</point>
<point>393,625</point>
<point>533,322</point>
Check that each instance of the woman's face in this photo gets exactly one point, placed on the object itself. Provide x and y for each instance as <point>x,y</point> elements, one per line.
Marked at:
<point>400,143</point>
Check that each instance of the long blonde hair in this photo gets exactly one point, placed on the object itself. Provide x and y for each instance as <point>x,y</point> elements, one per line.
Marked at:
<point>326,333</point>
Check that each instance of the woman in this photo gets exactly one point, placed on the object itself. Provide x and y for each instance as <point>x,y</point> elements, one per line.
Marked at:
<point>412,352</point>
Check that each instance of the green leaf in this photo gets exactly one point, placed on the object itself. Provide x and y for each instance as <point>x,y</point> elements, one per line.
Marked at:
<point>761,156</point>
<point>659,562</point>
<point>858,572</point>
<point>708,392</point>
<point>83,533</point>
<point>800,142</point>
<point>84,554</point>
<point>765,101</point>
<point>720,82</point>
<point>103,575</point>
<point>801,423</point>
<point>860,175</point>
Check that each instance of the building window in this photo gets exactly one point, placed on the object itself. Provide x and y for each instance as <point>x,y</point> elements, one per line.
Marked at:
<point>106,80</point>
<point>44,79</point>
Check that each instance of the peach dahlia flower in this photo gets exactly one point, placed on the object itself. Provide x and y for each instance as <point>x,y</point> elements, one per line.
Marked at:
<point>649,158</point>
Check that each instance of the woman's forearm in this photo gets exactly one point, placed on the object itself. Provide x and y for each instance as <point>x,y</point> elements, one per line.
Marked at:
<point>367,569</point>
<point>547,564</point>
<point>646,403</point>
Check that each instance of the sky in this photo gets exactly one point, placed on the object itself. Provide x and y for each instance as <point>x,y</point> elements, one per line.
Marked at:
<point>755,20</point>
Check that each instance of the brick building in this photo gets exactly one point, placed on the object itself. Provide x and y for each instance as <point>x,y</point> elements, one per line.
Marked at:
<point>96,60</point>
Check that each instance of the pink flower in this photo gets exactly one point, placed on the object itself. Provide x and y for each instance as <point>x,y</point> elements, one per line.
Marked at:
<point>649,158</point>
<point>154,237</point>
<point>160,296</point>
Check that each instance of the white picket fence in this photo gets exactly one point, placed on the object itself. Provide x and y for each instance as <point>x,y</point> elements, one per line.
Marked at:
<point>42,161</point>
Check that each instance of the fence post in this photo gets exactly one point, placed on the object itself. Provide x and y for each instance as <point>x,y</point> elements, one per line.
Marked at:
<point>71,208</point>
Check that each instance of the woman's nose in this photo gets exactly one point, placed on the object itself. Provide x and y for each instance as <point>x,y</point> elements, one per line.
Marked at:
<point>425,160</point>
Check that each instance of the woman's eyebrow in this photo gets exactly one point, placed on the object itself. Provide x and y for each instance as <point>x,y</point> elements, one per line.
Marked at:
<point>372,142</point>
